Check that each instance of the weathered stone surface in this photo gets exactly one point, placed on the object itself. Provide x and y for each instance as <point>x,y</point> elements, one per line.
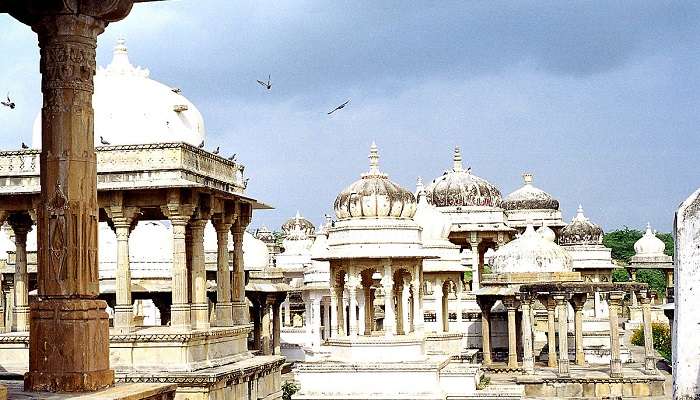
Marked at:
<point>686,348</point>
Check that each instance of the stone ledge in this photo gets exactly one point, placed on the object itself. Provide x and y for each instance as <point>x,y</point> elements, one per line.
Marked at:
<point>139,391</point>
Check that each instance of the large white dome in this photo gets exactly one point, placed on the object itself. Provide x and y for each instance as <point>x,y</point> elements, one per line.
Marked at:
<point>649,244</point>
<point>131,108</point>
<point>531,253</point>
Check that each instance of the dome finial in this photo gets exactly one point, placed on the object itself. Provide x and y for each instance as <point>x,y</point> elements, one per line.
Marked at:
<point>457,160</point>
<point>373,159</point>
<point>527,178</point>
<point>419,186</point>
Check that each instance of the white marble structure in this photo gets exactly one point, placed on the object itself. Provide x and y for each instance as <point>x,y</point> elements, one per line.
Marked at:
<point>531,203</point>
<point>686,345</point>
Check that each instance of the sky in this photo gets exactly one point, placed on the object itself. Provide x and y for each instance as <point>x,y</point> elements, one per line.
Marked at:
<point>599,100</point>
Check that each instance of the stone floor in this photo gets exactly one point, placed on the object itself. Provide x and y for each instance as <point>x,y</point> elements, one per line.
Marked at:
<point>136,391</point>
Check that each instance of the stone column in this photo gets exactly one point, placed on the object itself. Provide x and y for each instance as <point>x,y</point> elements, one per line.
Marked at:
<point>122,221</point>
<point>405,308</point>
<point>398,295</point>
<point>239,306</point>
<point>526,300</point>
<point>179,216</point>
<point>308,311</point>
<point>458,293</point>
<point>445,307</point>
<point>645,299</point>
<point>287,313</point>
<point>224,317</point>
<point>21,225</point>
<point>367,289</point>
<point>614,305</point>
<point>265,336</point>
<point>200,303</point>
<point>326,321</point>
<point>276,315</point>
<point>68,318</point>
<point>334,311</point>
<point>418,317</point>
<point>485,306</point>
<point>550,305</point>
<point>437,300</point>
<point>577,301</point>
<point>351,287</point>
<point>511,307</point>
<point>316,321</point>
<point>562,322</point>
<point>361,318</point>
<point>476,275</point>
<point>389,313</point>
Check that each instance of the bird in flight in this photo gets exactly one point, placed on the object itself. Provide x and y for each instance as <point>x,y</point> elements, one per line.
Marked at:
<point>103,141</point>
<point>233,157</point>
<point>8,103</point>
<point>176,90</point>
<point>340,107</point>
<point>201,145</point>
<point>216,151</point>
<point>267,85</point>
<point>24,146</point>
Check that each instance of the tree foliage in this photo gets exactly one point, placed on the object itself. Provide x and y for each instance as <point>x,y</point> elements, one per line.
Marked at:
<point>661,334</point>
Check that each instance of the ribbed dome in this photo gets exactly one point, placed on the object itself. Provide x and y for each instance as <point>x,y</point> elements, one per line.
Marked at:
<point>531,253</point>
<point>130,108</point>
<point>298,223</point>
<point>375,196</point>
<point>459,188</point>
<point>581,231</point>
<point>528,197</point>
<point>649,244</point>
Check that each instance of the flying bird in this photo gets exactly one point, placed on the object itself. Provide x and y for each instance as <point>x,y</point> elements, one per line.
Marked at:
<point>8,103</point>
<point>267,85</point>
<point>176,90</point>
<point>201,145</point>
<point>216,151</point>
<point>24,146</point>
<point>233,157</point>
<point>103,141</point>
<point>340,107</point>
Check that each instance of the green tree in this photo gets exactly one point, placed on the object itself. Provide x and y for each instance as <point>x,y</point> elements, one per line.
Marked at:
<point>621,242</point>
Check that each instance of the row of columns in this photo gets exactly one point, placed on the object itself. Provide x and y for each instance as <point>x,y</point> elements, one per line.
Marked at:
<point>441,291</point>
<point>557,308</point>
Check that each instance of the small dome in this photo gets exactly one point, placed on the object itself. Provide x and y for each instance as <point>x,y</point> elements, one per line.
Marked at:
<point>581,231</point>
<point>547,233</point>
<point>528,197</point>
<point>530,252</point>
<point>459,188</point>
<point>649,244</point>
<point>298,224</point>
<point>256,257</point>
<point>131,108</point>
<point>375,196</point>
<point>436,225</point>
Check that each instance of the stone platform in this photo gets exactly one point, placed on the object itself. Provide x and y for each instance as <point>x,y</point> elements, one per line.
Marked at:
<point>118,392</point>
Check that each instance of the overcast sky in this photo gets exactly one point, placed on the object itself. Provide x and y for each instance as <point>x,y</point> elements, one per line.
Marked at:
<point>598,99</point>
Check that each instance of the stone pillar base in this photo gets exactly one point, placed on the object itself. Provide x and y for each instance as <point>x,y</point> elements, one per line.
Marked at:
<point>124,318</point>
<point>69,346</point>
<point>223,314</point>
<point>240,313</point>
<point>200,316</point>
<point>180,316</point>
<point>21,314</point>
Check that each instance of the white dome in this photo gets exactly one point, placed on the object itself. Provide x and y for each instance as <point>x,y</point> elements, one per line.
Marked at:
<point>150,241</point>
<point>529,197</point>
<point>436,225</point>
<point>256,256</point>
<point>6,244</point>
<point>531,253</point>
<point>547,233</point>
<point>649,244</point>
<point>130,108</point>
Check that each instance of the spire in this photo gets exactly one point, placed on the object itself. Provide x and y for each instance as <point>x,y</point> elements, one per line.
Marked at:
<point>649,231</point>
<point>457,160</point>
<point>419,186</point>
<point>579,214</point>
<point>374,159</point>
<point>527,178</point>
<point>529,229</point>
<point>120,64</point>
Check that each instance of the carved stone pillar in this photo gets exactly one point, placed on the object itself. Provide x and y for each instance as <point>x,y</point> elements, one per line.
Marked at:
<point>361,317</point>
<point>614,305</point>
<point>276,328</point>
<point>485,304</point>
<point>577,301</point>
<point>287,312</point>
<point>179,216</point>
<point>326,321</point>
<point>368,303</point>
<point>122,220</point>
<point>437,300</point>
<point>316,321</point>
<point>526,300</point>
<point>239,305</point>
<point>458,293</point>
<point>334,310</point>
<point>389,312</point>
<point>511,308</point>
<point>351,287</point>
<point>645,298</point>
<point>476,273</point>
<point>550,305</point>
<point>21,225</point>
<point>418,316</point>
<point>265,334</point>
<point>68,319</point>
<point>445,307</point>
<point>398,295</point>
<point>200,303</point>
<point>222,224</point>
<point>562,321</point>
<point>405,308</point>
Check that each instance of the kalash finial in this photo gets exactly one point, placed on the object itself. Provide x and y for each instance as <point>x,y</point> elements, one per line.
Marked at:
<point>374,159</point>
<point>457,160</point>
<point>527,178</point>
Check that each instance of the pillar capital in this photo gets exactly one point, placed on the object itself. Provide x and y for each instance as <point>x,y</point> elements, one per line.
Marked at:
<point>578,300</point>
<point>178,214</point>
<point>21,224</point>
<point>510,303</point>
<point>645,296</point>
<point>525,298</point>
<point>615,298</point>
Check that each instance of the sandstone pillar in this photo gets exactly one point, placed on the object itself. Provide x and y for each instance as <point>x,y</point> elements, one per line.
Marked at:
<point>361,317</point>
<point>265,336</point>
<point>405,308</point>
<point>21,225</point>
<point>316,321</point>
<point>485,306</point>
<point>445,307</point>
<point>526,328</point>
<point>351,287</point>
<point>458,293</point>
<point>578,300</point>
<point>398,295</point>
<point>389,312</point>
<point>550,305</point>
<point>476,273</point>
<point>287,313</point>
<point>326,321</point>
<point>68,319</point>
<point>200,303</point>
<point>334,311</point>
<point>614,305</point>
<point>562,320</point>
<point>645,299</point>
<point>179,216</point>
<point>437,301</point>
<point>511,308</point>
<point>239,306</point>
<point>122,222</point>
<point>418,317</point>
<point>276,327</point>
<point>222,225</point>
